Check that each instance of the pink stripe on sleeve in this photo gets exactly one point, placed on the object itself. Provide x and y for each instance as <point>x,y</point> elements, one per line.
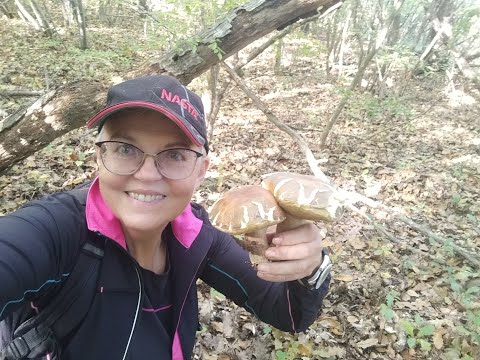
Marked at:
<point>290,310</point>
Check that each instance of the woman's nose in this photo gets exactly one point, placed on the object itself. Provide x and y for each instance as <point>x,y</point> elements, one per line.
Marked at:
<point>148,171</point>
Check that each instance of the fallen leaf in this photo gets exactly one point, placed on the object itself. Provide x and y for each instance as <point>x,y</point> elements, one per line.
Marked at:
<point>438,339</point>
<point>367,343</point>
<point>357,244</point>
<point>328,242</point>
<point>218,326</point>
<point>412,293</point>
<point>332,324</point>
<point>333,351</point>
<point>343,277</point>
<point>250,326</point>
<point>352,319</point>
<point>304,350</point>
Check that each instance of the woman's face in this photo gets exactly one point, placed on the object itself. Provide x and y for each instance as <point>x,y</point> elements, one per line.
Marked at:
<point>151,132</point>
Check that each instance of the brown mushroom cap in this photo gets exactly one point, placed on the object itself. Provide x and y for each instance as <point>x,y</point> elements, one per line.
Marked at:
<point>303,196</point>
<point>245,209</point>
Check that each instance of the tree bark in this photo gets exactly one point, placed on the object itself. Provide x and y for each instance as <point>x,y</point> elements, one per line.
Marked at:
<point>52,115</point>
<point>69,107</point>
<point>67,11</point>
<point>82,27</point>
<point>466,69</point>
<point>7,9</point>
<point>26,16</point>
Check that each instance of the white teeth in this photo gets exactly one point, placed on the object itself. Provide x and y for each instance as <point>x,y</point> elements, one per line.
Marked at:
<point>145,198</point>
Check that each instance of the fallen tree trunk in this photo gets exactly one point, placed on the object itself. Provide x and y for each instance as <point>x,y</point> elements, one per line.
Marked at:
<point>68,107</point>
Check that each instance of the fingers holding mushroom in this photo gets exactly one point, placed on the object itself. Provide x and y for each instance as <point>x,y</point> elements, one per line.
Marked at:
<point>303,198</point>
<point>248,210</point>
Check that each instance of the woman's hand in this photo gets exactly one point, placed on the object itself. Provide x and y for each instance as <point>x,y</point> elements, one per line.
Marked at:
<point>293,254</point>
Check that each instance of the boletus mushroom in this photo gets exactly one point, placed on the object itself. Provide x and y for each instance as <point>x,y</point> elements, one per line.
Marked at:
<point>303,198</point>
<point>248,210</point>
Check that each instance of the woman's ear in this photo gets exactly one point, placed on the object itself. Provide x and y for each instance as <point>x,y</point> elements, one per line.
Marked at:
<point>203,167</point>
<point>97,156</point>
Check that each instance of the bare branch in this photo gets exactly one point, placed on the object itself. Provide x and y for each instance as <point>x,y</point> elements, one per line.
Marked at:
<point>312,161</point>
<point>20,92</point>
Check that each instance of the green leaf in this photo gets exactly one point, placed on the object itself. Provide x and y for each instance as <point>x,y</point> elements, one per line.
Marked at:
<point>280,355</point>
<point>426,330</point>
<point>408,327</point>
<point>452,354</point>
<point>391,298</point>
<point>463,275</point>
<point>387,312</point>
<point>411,342</point>
<point>462,330</point>
<point>472,290</point>
<point>456,198</point>
<point>216,295</point>
<point>425,345</point>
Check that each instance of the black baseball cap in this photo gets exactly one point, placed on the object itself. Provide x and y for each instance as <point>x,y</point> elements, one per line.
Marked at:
<point>162,93</point>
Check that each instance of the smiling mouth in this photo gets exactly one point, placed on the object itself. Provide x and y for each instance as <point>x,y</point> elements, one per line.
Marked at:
<point>145,198</point>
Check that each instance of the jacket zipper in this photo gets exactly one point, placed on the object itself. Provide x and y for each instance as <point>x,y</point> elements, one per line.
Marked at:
<point>181,310</point>
<point>140,287</point>
<point>136,312</point>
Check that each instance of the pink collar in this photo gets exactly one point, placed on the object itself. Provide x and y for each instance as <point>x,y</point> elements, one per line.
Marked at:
<point>185,226</point>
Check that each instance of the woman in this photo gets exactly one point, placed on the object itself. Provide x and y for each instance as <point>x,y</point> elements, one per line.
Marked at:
<point>152,154</point>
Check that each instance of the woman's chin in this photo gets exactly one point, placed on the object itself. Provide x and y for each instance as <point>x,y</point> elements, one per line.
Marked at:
<point>144,225</point>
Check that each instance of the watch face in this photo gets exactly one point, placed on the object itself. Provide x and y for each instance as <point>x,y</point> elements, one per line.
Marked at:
<point>323,276</point>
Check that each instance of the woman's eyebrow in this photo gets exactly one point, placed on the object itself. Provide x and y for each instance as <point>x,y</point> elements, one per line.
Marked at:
<point>121,136</point>
<point>177,144</point>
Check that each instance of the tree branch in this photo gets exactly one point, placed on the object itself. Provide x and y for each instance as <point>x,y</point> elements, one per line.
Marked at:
<point>25,93</point>
<point>280,124</point>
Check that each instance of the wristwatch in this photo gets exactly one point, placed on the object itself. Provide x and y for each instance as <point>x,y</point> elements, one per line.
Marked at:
<point>314,281</point>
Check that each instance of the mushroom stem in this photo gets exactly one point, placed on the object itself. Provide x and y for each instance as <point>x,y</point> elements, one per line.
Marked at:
<point>290,223</point>
<point>256,242</point>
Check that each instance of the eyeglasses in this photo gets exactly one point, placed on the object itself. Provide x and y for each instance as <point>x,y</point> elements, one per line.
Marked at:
<point>125,159</point>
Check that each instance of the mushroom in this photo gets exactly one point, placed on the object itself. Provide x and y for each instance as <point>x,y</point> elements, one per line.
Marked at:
<point>303,197</point>
<point>248,210</point>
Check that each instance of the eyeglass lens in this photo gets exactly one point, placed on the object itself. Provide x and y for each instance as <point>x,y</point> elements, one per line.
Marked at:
<point>125,159</point>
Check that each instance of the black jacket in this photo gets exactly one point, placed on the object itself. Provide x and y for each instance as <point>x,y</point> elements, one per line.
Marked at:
<point>39,245</point>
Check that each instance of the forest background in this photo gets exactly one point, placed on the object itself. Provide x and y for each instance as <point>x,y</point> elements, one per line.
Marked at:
<point>380,96</point>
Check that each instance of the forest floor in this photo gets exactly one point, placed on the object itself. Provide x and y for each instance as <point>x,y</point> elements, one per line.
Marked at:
<point>417,151</point>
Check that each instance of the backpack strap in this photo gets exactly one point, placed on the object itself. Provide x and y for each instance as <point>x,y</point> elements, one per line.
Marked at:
<point>40,334</point>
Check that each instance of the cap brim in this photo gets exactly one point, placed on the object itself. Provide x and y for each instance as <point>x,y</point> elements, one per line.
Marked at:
<point>101,116</point>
